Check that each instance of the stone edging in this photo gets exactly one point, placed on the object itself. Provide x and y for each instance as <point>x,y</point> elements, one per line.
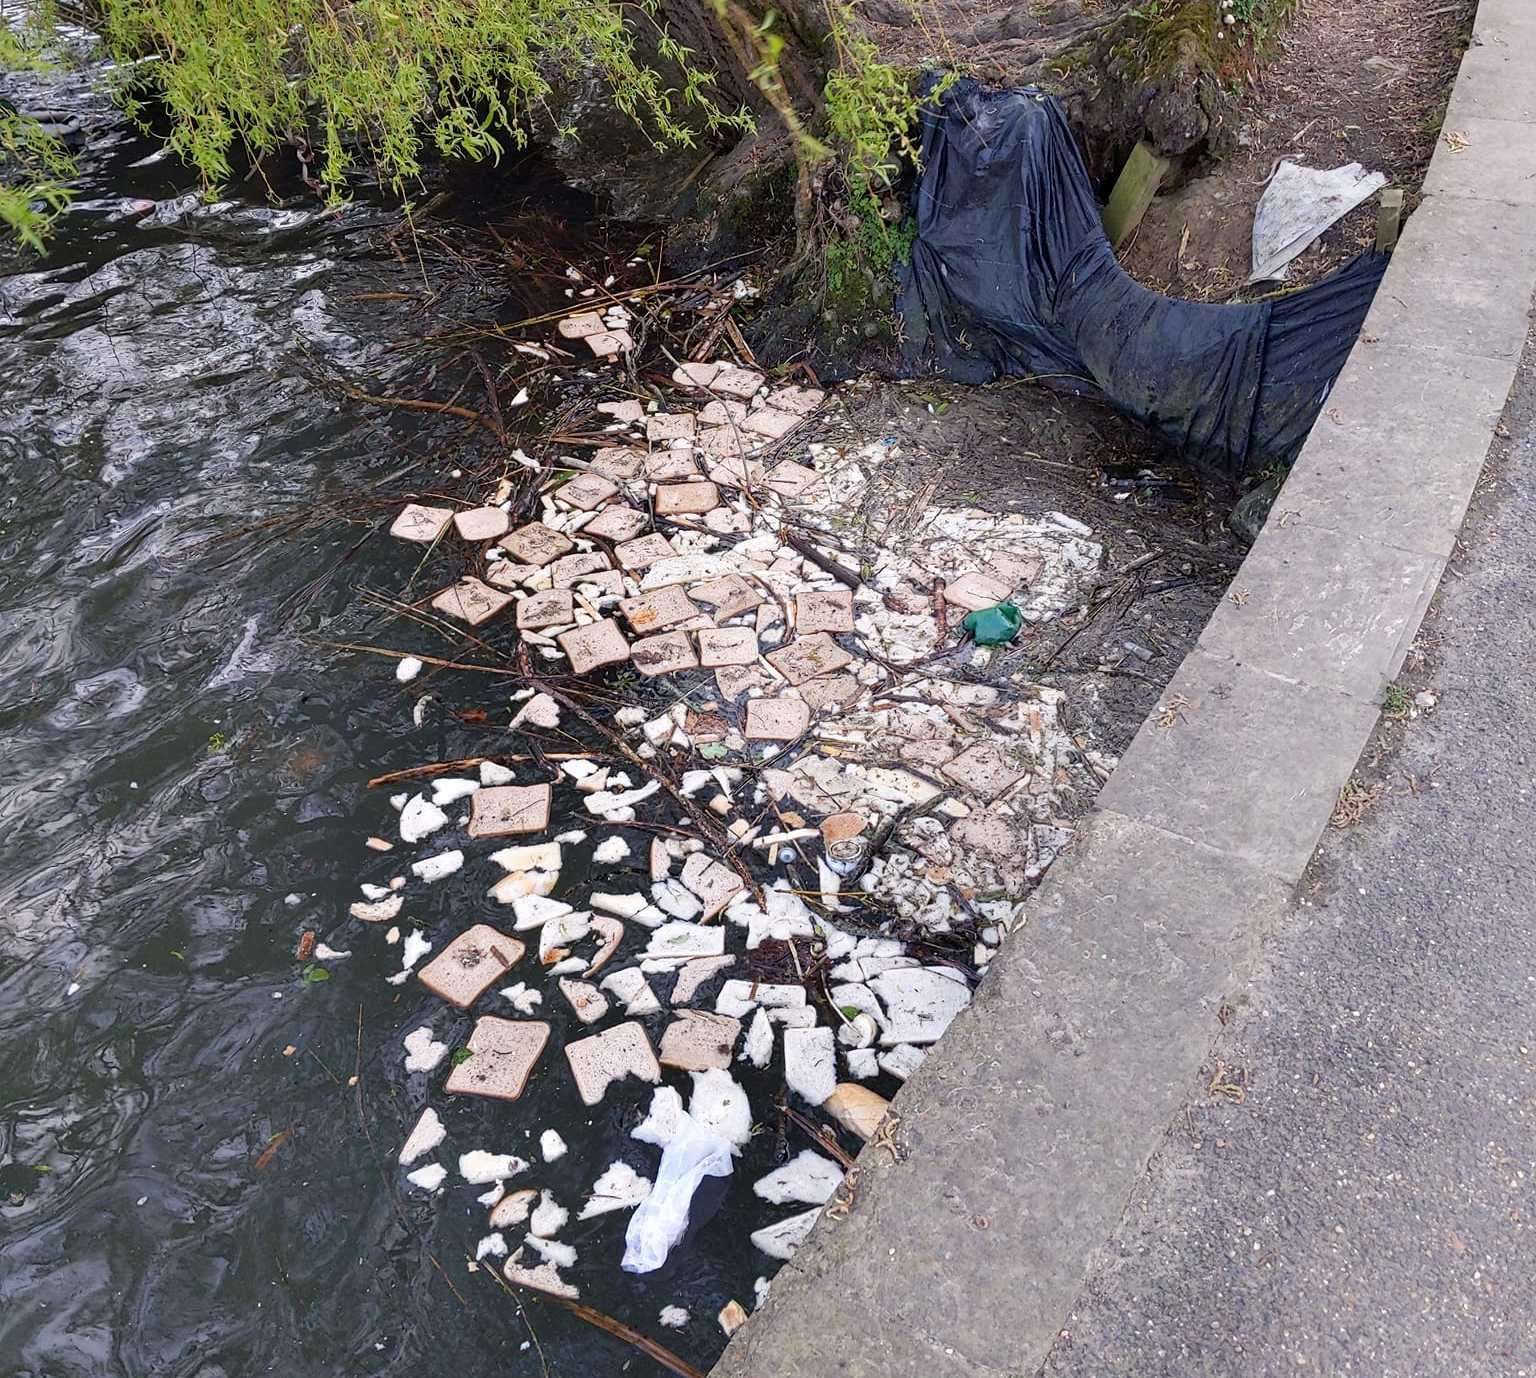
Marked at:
<point>1027,1128</point>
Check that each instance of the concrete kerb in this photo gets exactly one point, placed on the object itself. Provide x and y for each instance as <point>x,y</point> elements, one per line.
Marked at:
<point>1027,1127</point>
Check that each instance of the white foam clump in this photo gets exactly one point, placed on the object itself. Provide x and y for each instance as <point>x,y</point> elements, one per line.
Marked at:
<point>548,1217</point>
<point>661,1122</point>
<point>719,1104</point>
<point>428,1178</point>
<point>863,1063</point>
<point>551,1145</point>
<point>610,850</point>
<point>757,1047</point>
<point>325,953</point>
<point>492,1244</point>
<point>808,1176</point>
<point>630,986</point>
<point>784,1237</point>
<point>422,1051</point>
<point>523,1000</point>
<point>572,837</point>
<point>674,1317</point>
<point>435,868</point>
<point>561,1255</point>
<point>605,802</point>
<point>680,939</point>
<point>416,947</point>
<point>452,788</point>
<point>493,774</point>
<point>635,907</point>
<point>428,1133</point>
<point>620,1188</point>
<point>408,668</point>
<point>419,818</point>
<point>477,1167</point>
<point>676,900</point>
<point>534,911</point>
<point>567,928</point>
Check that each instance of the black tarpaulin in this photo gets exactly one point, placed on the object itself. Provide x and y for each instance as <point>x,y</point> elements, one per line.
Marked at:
<point>1011,275</point>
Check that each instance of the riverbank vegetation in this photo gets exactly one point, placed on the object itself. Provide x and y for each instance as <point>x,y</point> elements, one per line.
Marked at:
<point>823,100</point>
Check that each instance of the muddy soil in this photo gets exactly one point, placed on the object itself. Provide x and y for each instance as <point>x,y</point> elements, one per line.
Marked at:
<point>1346,81</point>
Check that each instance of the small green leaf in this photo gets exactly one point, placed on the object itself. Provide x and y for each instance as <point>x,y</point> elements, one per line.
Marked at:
<point>712,751</point>
<point>460,1055</point>
<point>312,974</point>
<point>849,1012</point>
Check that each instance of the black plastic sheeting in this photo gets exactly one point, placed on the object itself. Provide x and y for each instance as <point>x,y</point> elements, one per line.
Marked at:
<point>1011,275</point>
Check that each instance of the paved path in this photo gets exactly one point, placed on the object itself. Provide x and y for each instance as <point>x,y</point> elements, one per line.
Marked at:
<point>1370,1206</point>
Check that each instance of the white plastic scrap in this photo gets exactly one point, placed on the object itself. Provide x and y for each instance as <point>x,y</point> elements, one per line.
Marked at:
<point>692,1153</point>
<point>1298,205</point>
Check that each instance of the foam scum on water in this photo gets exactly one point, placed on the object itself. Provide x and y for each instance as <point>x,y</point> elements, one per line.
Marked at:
<point>762,814</point>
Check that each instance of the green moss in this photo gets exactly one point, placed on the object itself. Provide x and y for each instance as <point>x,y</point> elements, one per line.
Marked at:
<point>857,269</point>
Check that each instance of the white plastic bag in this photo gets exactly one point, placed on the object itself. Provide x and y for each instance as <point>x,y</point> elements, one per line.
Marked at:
<point>692,1154</point>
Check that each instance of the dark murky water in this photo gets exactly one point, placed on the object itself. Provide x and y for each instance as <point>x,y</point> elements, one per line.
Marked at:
<point>183,796</point>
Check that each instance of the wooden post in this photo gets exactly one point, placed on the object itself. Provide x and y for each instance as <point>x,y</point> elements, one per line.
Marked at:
<point>1134,189</point>
<point>1389,219</point>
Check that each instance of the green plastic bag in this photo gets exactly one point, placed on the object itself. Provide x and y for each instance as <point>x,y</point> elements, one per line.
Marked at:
<point>995,625</point>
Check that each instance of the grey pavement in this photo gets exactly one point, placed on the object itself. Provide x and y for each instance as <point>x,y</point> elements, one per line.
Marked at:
<point>1369,1205</point>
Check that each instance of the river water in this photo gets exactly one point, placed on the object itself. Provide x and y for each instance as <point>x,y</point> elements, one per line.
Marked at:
<point>184,763</point>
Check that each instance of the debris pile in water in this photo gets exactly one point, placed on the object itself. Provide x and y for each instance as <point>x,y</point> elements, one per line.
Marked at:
<point>812,807</point>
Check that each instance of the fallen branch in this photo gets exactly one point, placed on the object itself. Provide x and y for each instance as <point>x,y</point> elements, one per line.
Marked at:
<point>422,404</point>
<point>468,763</point>
<point>609,1326</point>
